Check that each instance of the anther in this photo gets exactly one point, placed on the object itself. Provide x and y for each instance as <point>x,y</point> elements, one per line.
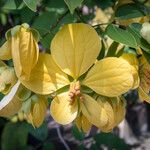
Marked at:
<point>78,93</point>
<point>81,98</point>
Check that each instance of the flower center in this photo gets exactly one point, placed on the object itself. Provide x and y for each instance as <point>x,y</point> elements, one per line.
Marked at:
<point>75,92</point>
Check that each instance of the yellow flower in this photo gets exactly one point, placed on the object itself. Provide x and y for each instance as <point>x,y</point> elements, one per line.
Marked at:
<point>74,50</point>
<point>5,51</point>
<point>10,103</point>
<point>21,46</point>
<point>25,51</point>
<point>7,78</point>
<point>115,109</point>
<point>82,123</point>
<point>38,111</point>
<point>141,71</point>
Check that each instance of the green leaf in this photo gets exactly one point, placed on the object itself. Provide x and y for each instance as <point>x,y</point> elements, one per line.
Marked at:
<point>73,4</point>
<point>1,96</point>
<point>81,147</point>
<point>14,136</point>
<point>130,11</point>
<point>121,36</point>
<point>48,146</point>
<point>102,52</point>
<point>95,147</point>
<point>40,133</point>
<point>46,41</point>
<point>120,52</point>
<point>44,21</point>
<point>77,134</point>
<point>112,49</point>
<point>111,140</point>
<point>26,15</point>
<point>31,4</point>
<point>13,4</point>
<point>134,29</point>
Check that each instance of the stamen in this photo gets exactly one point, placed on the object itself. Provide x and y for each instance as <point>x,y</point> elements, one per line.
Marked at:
<point>75,92</point>
<point>78,93</point>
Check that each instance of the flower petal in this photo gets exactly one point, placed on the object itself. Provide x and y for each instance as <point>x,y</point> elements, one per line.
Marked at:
<point>61,109</point>
<point>5,51</point>
<point>105,103</point>
<point>75,48</point>
<point>110,77</point>
<point>25,52</point>
<point>94,112</point>
<point>10,104</point>
<point>46,77</point>
<point>133,61</point>
<point>83,124</point>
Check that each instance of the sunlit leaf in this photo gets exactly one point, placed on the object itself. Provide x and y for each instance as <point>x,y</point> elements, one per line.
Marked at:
<point>121,36</point>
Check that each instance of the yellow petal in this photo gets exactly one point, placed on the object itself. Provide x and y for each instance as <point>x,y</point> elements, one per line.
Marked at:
<point>93,111</point>
<point>119,109</point>
<point>62,111</point>
<point>131,58</point>
<point>25,52</point>
<point>86,125</point>
<point>10,104</point>
<point>104,102</point>
<point>133,61</point>
<point>5,51</point>
<point>75,48</point>
<point>83,124</point>
<point>46,77</point>
<point>39,112</point>
<point>143,95</point>
<point>110,77</point>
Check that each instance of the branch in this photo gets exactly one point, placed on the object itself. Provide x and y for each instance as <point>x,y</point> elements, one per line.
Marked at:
<point>57,22</point>
<point>61,138</point>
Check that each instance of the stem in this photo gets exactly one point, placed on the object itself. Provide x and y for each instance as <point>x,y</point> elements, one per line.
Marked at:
<point>61,138</point>
<point>57,22</point>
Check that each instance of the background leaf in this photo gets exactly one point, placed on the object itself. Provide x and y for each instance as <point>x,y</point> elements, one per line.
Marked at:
<point>14,136</point>
<point>72,4</point>
<point>40,133</point>
<point>130,11</point>
<point>121,36</point>
<point>32,4</point>
<point>111,140</point>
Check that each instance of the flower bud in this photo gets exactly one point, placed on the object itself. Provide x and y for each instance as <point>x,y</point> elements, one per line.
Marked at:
<point>7,78</point>
<point>37,112</point>
<point>5,51</point>
<point>25,51</point>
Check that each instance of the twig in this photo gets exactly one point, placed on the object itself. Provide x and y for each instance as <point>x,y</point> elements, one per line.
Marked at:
<point>61,138</point>
<point>57,22</point>
<point>80,16</point>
